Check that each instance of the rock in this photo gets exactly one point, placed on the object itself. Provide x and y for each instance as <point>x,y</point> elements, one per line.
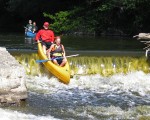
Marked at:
<point>142,36</point>
<point>12,79</point>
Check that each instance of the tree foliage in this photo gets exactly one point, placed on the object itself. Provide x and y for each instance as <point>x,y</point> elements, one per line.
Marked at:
<point>129,16</point>
<point>64,20</point>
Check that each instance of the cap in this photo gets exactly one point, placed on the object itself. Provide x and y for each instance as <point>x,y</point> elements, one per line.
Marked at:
<point>46,24</point>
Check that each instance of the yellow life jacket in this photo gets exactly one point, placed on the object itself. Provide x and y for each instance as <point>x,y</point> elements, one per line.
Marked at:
<point>57,51</point>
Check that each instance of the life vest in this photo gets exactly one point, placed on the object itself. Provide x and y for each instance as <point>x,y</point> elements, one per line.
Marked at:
<point>57,51</point>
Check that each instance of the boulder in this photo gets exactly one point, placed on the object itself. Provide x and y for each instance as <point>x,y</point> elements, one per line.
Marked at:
<point>12,79</point>
<point>142,36</point>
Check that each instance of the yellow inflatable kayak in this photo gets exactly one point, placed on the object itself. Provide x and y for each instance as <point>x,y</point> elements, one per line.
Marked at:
<point>62,73</point>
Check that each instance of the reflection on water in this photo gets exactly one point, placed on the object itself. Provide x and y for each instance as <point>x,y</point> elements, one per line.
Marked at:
<point>16,41</point>
<point>101,43</point>
<point>29,41</point>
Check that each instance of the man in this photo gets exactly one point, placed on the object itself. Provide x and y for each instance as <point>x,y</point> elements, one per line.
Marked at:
<point>46,35</point>
<point>29,26</point>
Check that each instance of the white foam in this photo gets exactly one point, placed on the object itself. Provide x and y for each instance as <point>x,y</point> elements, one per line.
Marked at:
<point>14,115</point>
<point>135,81</point>
<point>44,84</point>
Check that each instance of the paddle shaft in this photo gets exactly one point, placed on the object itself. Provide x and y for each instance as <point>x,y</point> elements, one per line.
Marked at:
<point>28,29</point>
<point>41,61</point>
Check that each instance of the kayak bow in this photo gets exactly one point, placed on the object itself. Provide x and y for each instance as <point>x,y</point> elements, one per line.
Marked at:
<point>62,73</point>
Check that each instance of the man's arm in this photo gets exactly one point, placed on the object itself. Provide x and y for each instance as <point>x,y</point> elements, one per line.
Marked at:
<point>37,37</point>
<point>52,36</point>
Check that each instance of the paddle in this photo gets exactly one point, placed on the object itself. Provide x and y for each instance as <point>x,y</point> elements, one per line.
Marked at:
<point>28,29</point>
<point>41,61</point>
<point>37,42</point>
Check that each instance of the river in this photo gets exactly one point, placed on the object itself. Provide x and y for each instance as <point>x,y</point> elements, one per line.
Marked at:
<point>111,79</point>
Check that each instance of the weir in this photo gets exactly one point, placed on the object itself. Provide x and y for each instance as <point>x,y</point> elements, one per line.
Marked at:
<point>105,66</point>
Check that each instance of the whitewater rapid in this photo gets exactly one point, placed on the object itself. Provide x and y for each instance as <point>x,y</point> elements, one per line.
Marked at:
<point>86,97</point>
<point>135,81</point>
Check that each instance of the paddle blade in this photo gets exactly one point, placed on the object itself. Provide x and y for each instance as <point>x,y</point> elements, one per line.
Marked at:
<point>72,55</point>
<point>41,61</point>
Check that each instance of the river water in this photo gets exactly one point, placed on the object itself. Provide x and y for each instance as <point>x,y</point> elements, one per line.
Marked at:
<point>111,80</point>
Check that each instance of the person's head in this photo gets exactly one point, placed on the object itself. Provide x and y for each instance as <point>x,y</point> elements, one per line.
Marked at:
<point>34,23</point>
<point>46,25</point>
<point>57,40</point>
<point>30,21</point>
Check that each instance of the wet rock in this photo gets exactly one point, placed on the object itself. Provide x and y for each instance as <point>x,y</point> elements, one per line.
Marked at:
<point>142,36</point>
<point>12,79</point>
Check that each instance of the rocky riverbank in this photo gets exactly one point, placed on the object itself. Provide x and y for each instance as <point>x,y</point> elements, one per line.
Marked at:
<point>12,79</point>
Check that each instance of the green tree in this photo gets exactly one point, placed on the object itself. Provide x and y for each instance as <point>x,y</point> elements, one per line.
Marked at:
<point>64,21</point>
